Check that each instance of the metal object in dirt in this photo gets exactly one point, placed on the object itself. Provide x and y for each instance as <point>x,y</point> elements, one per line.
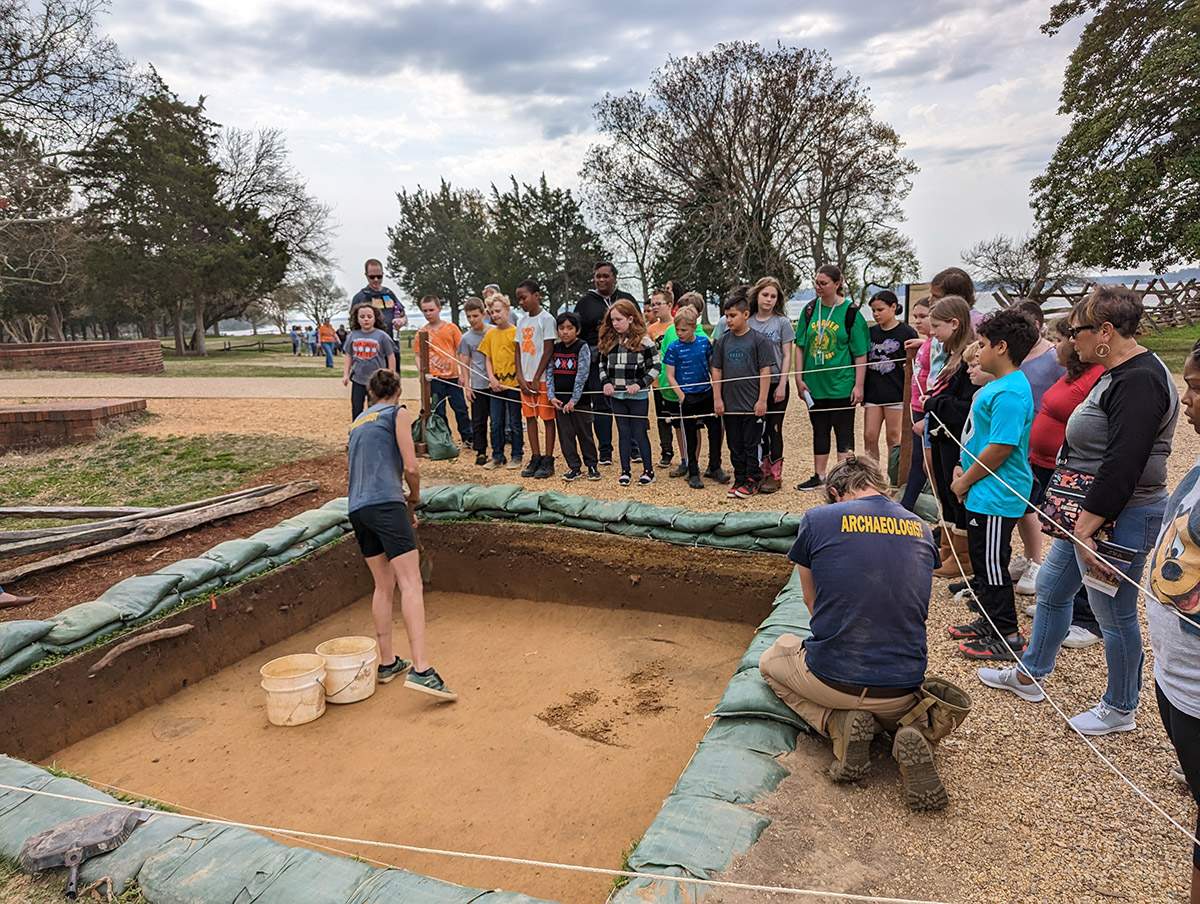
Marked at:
<point>70,843</point>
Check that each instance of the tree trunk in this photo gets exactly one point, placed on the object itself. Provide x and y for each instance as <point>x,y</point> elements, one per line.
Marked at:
<point>55,321</point>
<point>150,326</point>
<point>177,326</point>
<point>216,328</point>
<point>199,345</point>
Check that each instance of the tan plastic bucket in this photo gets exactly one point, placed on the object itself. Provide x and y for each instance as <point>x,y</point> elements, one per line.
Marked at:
<point>349,668</point>
<point>295,693</point>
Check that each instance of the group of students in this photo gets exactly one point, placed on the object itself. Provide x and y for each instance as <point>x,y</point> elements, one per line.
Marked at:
<point>325,338</point>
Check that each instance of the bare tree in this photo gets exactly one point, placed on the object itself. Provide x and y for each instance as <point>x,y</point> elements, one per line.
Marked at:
<point>1023,266</point>
<point>320,296</point>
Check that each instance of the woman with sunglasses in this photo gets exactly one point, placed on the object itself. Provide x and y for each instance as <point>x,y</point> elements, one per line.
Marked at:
<point>1115,453</point>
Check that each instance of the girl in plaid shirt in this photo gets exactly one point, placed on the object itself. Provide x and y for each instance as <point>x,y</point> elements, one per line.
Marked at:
<point>629,365</point>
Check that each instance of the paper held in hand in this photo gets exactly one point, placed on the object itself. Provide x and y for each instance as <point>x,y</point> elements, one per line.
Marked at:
<point>1117,556</point>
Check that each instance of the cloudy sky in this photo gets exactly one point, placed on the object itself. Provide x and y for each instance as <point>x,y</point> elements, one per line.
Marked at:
<point>379,96</point>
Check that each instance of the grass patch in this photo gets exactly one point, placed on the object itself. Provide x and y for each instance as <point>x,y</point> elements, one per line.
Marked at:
<point>620,882</point>
<point>121,796</point>
<point>132,469</point>
<point>275,359</point>
<point>49,888</point>
<point>1173,345</point>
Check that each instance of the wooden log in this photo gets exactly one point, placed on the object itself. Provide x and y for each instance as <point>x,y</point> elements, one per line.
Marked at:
<point>159,528</point>
<point>70,512</point>
<point>423,378</point>
<point>906,433</point>
<point>140,641</point>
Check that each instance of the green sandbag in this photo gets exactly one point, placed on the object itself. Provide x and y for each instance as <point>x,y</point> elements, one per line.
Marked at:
<point>430,493</point>
<point>787,529</point>
<point>742,542</point>
<point>698,522</point>
<point>193,572</point>
<point>606,510</point>
<point>546,517</point>
<point>489,497</point>
<point>389,885</point>
<point>926,508</point>
<point>893,465</point>
<point>439,441</point>
<point>554,501</point>
<point>212,863</point>
<point>747,694</point>
<point>658,891</point>
<point>761,643</point>
<point>80,621</point>
<point>793,615</point>
<point>735,524</point>
<point>775,545</point>
<point>729,773</point>
<point>166,604</point>
<point>626,529</point>
<point>136,596</point>
<point>199,590</point>
<point>325,537</point>
<point>314,878</point>
<point>291,554</point>
<point>524,503</point>
<point>22,659</point>
<point>583,523</point>
<point>699,834</point>
<point>447,499</point>
<point>235,554</point>
<point>340,505</point>
<point>500,896</point>
<point>313,522</point>
<point>122,865</point>
<point>445,516</point>
<point>258,566</point>
<point>278,538</point>
<point>80,642</point>
<point>494,514</point>
<point>652,515</point>
<point>759,735</point>
<point>23,814</point>
<point>16,635</point>
<point>668,535</point>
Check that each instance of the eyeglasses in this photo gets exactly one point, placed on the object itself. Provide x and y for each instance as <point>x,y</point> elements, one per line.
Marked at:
<point>1073,331</point>
<point>374,276</point>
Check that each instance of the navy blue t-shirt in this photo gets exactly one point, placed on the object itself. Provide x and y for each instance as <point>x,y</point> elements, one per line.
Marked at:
<point>872,563</point>
<point>690,360</point>
<point>376,466</point>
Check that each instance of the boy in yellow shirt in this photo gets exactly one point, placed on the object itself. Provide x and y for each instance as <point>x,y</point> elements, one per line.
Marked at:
<point>499,347</point>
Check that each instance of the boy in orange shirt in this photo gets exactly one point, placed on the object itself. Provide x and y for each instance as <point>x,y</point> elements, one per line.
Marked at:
<point>444,366</point>
<point>327,338</point>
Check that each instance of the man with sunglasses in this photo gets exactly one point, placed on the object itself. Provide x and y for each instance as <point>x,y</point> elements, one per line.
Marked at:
<point>383,298</point>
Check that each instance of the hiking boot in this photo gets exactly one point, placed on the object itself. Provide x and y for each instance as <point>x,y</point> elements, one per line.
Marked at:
<point>385,673</point>
<point>647,478</point>
<point>769,483</point>
<point>680,470</point>
<point>971,630</point>
<point>717,474</point>
<point>994,649</point>
<point>851,732</point>
<point>573,474</point>
<point>514,465</point>
<point>494,463</point>
<point>431,684</point>
<point>1078,637</point>
<point>1027,585</point>
<point>480,460</point>
<point>664,460</point>
<point>813,483</point>
<point>624,480</point>
<point>1102,719</point>
<point>695,482</point>
<point>1008,680</point>
<point>923,788</point>
<point>535,462</point>
<point>593,472</point>
<point>747,489</point>
<point>545,469</point>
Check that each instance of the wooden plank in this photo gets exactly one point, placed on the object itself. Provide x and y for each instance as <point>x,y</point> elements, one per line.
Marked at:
<point>906,433</point>
<point>70,512</point>
<point>423,377</point>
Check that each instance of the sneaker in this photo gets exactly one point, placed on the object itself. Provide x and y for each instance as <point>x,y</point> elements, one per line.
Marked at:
<point>956,587</point>
<point>971,630</point>
<point>593,472</point>
<point>480,460</point>
<point>431,684</point>
<point>747,489</point>
<point>851,732</point>
<point>718,474</point>
<point>514,465</point>
<point>573,474</point>
<point>535,462</point>
<point>624,479</point>
<point>494,463</point>
<point>1027,586</point>
<point>664,460</point>
<point>813,483</point>
<point>1031,611</point>
<point>695,482</point>
<point>994,649</point>
<point>1079,637</point>
<point>635,457</point>
<point>386,673</point>
<point>1178,775</point>
<point>545,468</point>
<point>731,493</point>
<point>680,470</point>
<point>605,460</point>
<point>967,598</point>
<point>1008,680</point>
<point>1101,719</point>
<point>647,478</point>
<point>923,788</point>
<point>1016,567</point>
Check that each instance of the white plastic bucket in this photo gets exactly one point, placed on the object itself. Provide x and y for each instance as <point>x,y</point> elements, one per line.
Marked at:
<point>349,668</point>
<point>295,693</point>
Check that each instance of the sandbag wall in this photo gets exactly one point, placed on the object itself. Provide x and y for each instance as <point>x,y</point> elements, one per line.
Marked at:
<point>705,821</point>
<point>141,599</point>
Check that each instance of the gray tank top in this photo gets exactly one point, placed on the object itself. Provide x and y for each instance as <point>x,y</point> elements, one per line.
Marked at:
<point>376,466</point>
<point>1042,372</point>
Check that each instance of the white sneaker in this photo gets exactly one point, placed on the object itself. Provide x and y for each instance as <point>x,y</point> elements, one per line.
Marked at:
<point>1027,585</point>
<point>1031,611</point>
<point>1078,637</point>
<point>1102,719</point>
<point>1177,774</point>
<point>1007,680</point>
<point>1016,567</point>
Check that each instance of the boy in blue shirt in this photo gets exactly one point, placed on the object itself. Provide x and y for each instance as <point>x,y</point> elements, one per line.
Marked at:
<point>996,482</point>
<point>686,363</point>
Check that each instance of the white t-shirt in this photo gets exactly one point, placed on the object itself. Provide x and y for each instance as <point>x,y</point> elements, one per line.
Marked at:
<point>532,333</point>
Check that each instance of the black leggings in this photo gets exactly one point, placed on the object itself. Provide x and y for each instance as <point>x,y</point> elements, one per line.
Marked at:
<point>916,480</point>
<point>840,422</point>
<point>945,457</point>
<point>772,441</point>
<point>1184,732</point>
<point>358,399</point>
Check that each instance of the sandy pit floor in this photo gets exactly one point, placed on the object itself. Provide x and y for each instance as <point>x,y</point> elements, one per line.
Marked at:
<point>572,725</point>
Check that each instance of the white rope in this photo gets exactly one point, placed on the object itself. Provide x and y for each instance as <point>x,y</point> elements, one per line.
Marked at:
<point>518,861</point>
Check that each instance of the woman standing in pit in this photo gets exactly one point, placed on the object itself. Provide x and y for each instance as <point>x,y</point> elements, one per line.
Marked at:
<point>382,460</point>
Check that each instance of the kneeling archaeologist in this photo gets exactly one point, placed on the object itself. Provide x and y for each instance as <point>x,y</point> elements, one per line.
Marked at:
<point>866,567</point>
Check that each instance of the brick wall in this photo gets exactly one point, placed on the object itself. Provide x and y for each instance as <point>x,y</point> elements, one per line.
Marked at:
<point>139,356</point>
<point>58,423</point>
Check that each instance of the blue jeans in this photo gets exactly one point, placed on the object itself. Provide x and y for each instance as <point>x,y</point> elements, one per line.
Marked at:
<point>505,414</point>
<point>328,348</point>
<point>453,393</point>
<point>1058,580</point>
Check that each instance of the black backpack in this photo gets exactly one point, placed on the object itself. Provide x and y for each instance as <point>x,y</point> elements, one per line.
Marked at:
<point>852,309</point>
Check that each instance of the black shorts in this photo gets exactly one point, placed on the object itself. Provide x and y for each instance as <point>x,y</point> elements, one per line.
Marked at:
<point>1041,483</point>
<point>383,529</point>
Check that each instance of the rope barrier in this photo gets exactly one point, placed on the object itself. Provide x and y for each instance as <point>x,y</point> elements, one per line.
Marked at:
<point>494,858</point>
